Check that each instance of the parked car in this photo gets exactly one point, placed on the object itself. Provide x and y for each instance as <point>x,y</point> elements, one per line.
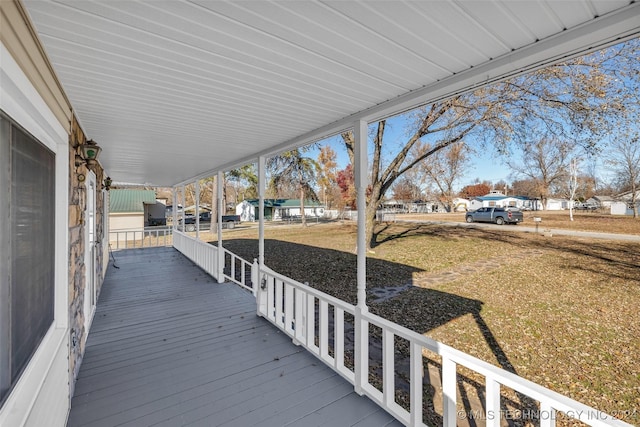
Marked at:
<point>585,206</point>
<point>155,222</point>
<point>228,221</point>
<point>495,215</point>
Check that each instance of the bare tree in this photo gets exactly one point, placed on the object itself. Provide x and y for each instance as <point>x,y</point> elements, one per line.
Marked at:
<point>406,191</point>
<point>623,153</point>
<point>570,101</point>
<point>545,163</point>
<point>456,118</point>
<point>624,157</point>
<point>444,168</point>
<point>572,184</point>
<point>327,177</point>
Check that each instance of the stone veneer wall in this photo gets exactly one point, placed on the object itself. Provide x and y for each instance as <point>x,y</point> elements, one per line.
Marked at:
<point>77,268</point>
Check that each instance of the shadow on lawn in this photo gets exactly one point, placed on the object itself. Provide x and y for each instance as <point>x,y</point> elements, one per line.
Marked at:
<point>622,257</point>
<point>334,272</point>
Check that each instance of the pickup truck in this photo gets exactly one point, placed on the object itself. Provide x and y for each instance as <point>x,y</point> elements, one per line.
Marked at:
<point>228,221</point>
<point>495,215</point>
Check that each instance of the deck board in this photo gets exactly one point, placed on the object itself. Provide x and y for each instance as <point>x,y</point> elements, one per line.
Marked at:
<point>171,347</point>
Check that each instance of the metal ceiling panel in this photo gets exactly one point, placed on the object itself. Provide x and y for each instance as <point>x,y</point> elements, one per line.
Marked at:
<point>177,89</point>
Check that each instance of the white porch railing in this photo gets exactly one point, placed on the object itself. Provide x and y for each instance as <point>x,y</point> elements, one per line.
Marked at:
<point>128,239</point>
<point>198,251</point>
<point>237,270</point>
<point>311,317</point>
<point>205,255</point>
<point>331,329</point>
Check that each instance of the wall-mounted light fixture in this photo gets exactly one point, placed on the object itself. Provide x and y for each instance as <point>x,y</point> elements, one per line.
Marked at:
<point>90,152</point>
<point>87,155</point>
<point>107,183</point>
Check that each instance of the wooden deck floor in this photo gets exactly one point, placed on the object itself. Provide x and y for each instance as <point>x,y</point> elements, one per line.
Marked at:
<point>171,347</point>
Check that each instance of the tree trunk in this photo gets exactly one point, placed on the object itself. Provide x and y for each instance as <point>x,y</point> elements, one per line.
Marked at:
<point>634,200</point>
<point>302,217</point>
<point>370,215</point>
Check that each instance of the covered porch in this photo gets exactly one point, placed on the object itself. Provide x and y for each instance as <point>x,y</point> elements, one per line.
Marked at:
<point>195,335</point>
<point>181,91</point>
<point>171,346</point>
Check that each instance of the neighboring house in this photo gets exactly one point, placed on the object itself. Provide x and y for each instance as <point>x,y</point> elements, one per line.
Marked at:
<point>279,209</point>
<point>497,199</point>
<point>421,206</point>
<point>394,205</point>
<point>134,209</point>
<point>622,204</point>
<point>415,206</point>
<point>622,208</point>
<point>603,202</point>
<point>557,204</point>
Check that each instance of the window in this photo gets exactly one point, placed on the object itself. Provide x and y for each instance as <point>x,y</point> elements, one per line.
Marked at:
<point>27,206</point>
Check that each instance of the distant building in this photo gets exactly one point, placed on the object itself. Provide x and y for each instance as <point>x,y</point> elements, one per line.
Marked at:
<point>134,209</point>
<point>279,209</point>
<point>622,204</point>
<point>497,199</point>
<point>603,202</point>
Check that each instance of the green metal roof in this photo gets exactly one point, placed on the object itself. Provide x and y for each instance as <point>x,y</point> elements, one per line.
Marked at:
<point>284,203</point>
<point>130,200</point>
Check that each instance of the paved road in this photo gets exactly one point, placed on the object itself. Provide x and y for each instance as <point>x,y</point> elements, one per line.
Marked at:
<point>523,229</point>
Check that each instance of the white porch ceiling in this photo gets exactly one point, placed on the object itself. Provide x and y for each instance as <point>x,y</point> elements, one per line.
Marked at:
<point>174,89</point>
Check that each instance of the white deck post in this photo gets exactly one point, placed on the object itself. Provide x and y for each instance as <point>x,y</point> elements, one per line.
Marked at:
<point>261,294</point>
<point>219,182</point>
<point>361,325</point>
<point>197,185</point>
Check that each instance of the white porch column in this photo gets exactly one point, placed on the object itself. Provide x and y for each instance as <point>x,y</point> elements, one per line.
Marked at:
<point>361,174</point>
<point>174,226</point>
<point>261,294</point>
<point>197,185</point>
<point>219,182</point>
<point>184,205</point>
<point>262,178</point>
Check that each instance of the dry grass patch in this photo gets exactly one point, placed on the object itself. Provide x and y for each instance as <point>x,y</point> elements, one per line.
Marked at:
<point>564,315</point>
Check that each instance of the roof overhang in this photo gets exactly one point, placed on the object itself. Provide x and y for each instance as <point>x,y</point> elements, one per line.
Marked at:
<point>177,90</point>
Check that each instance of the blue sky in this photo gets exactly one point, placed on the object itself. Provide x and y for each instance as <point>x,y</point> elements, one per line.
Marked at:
<point>484,165</point>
